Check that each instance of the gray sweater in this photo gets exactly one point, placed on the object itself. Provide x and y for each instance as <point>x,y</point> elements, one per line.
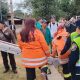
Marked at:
<point>10,36</point>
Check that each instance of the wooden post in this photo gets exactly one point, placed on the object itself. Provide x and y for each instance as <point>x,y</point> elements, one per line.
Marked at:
<point>0,10</point>
<point>12,13</point>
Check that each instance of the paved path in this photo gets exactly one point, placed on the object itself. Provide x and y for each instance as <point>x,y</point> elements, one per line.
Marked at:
<point>55,75</point>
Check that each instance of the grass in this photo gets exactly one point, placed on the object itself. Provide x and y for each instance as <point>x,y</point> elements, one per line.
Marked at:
<point>21,72</point>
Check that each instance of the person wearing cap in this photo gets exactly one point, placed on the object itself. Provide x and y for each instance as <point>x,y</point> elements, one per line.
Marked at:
<point>53,26</point>
<point>46,32</point>
<point>7,35</point>
<point>74,59</point>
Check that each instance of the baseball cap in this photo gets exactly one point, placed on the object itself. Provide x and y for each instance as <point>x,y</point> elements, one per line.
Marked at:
<point>44,21</point>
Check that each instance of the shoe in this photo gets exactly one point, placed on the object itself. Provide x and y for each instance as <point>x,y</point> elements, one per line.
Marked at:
<point>15,71</point>
<point>44,76</point>
<point>7,70</point>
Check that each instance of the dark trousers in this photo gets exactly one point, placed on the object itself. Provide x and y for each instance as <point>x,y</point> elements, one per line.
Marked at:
<point>5,60</point>
<point>66,72</point>
<point>75,71</point>
<point>30,72</point>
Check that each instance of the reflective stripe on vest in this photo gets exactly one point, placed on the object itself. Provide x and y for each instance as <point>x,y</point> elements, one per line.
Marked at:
<point>38,59</point>
<point>34,62</point>
<point>78,74</point>
<point>67,75</point>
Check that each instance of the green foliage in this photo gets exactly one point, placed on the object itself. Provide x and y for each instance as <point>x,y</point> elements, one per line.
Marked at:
<point>77,6</point>
<point>43,8</point>
<point>59,8</point>
<point>19,14</point>
<point>3,9</point>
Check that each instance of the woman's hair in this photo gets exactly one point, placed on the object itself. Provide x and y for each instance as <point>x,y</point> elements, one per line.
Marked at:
<point>27,34</point>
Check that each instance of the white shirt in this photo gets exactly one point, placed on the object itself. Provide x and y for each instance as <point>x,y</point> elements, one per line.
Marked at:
<point>53,28</point>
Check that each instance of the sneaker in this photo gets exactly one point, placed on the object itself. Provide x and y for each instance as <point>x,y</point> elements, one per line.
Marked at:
<point>44,76</point>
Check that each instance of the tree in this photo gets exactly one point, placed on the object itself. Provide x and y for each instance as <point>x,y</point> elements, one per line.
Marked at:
<point>68,7</point>
<point>59,8</point>
<point>41,8</point>
<point>77,6</point>
<point>19,14</point>
<point>3,10</point>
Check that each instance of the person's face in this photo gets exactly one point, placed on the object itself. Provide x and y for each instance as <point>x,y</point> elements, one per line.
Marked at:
<point>44,25</point>
<point>78,30</point>
<point>41,21</point>
<point>53,20</point>
<point>1,26</point>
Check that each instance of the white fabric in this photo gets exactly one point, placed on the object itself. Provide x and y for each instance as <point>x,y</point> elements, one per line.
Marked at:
<point>53,28</point>
<point>34,64</point>
<point>9,47</point>
<point>38,59</point>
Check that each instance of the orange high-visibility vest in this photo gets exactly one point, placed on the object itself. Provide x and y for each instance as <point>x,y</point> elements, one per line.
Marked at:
<point>58,45</point>
<point>34,54</point>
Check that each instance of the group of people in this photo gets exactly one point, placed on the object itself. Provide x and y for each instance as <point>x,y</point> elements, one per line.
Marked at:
<point>39,40</point>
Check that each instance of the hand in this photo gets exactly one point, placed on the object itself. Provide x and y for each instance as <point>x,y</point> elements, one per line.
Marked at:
<point>51,55</point>
<point>50,60</point>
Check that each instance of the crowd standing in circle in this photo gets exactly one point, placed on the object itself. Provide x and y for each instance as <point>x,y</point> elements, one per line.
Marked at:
<point>40,41</point>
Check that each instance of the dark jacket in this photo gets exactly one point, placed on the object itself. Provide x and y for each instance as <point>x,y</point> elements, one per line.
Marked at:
<point>7,35</point>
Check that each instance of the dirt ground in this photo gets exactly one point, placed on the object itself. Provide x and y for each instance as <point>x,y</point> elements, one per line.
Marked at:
<point>21,71</point>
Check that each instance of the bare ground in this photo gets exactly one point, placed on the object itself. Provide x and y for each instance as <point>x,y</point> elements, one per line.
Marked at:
<point>21,72</point>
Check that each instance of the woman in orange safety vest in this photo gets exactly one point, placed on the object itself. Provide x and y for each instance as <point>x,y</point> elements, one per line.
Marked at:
<point>58,44</point>
<point>34,48</point>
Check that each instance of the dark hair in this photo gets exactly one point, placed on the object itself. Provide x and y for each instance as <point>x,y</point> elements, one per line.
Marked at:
<point>53,16</point>
<point>39,18</point>
<point>27,34</point>
<point>2,22</point>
